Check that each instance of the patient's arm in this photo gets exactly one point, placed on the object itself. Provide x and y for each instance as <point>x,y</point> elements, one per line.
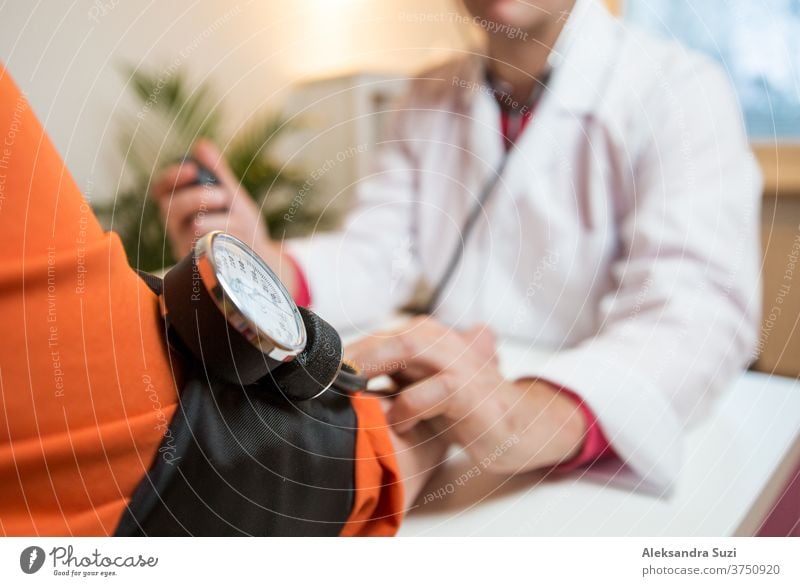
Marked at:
<point>418,452</point>
<point>86,380</point>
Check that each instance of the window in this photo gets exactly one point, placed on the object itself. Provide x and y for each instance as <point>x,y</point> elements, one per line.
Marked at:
<point>756,41</point>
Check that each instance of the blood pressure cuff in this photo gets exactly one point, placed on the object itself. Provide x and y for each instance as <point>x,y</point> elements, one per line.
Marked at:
<point>246,460</point>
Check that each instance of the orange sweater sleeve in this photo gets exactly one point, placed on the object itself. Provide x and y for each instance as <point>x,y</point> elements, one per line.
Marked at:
<point>86,389</point>
<point>378,503</point>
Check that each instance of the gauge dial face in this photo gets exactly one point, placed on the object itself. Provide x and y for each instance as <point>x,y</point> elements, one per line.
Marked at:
<point>257,293</point>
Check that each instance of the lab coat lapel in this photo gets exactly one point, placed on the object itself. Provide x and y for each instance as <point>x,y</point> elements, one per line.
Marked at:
<point>582,57</point>
<point>482,125</point>
<point>581,62</point>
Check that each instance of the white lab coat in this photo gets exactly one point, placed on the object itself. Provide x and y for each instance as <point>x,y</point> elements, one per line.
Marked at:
<point>622,239</point>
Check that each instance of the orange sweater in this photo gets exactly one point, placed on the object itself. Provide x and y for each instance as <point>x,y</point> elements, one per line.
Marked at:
<point>86,388</point>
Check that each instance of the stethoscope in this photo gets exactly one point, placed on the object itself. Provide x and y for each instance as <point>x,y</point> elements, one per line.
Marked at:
<point>516,121</point>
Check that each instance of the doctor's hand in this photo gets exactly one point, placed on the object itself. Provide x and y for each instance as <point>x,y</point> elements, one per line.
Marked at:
<point>451,380</point>
<point>189,210</point>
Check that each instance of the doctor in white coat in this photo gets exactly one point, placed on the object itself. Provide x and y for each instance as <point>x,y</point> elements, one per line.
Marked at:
<point>618,234</point>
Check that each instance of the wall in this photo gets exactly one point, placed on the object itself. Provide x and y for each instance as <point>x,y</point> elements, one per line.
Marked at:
<point>67,56</point>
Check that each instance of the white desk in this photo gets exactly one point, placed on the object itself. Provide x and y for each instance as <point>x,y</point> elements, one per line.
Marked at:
<point>737,462</point>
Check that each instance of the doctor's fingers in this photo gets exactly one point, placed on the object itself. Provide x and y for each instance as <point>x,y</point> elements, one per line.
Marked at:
<point>377,354</point>
<point>482,340</point>
<point>440,346</point>
<point>207,153</point>
<point>430,398</point>
<point>187,203</point>
<point>180,212</point>
<point>408,350</point>
<point>407,374</point>
<point>173,179</point>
